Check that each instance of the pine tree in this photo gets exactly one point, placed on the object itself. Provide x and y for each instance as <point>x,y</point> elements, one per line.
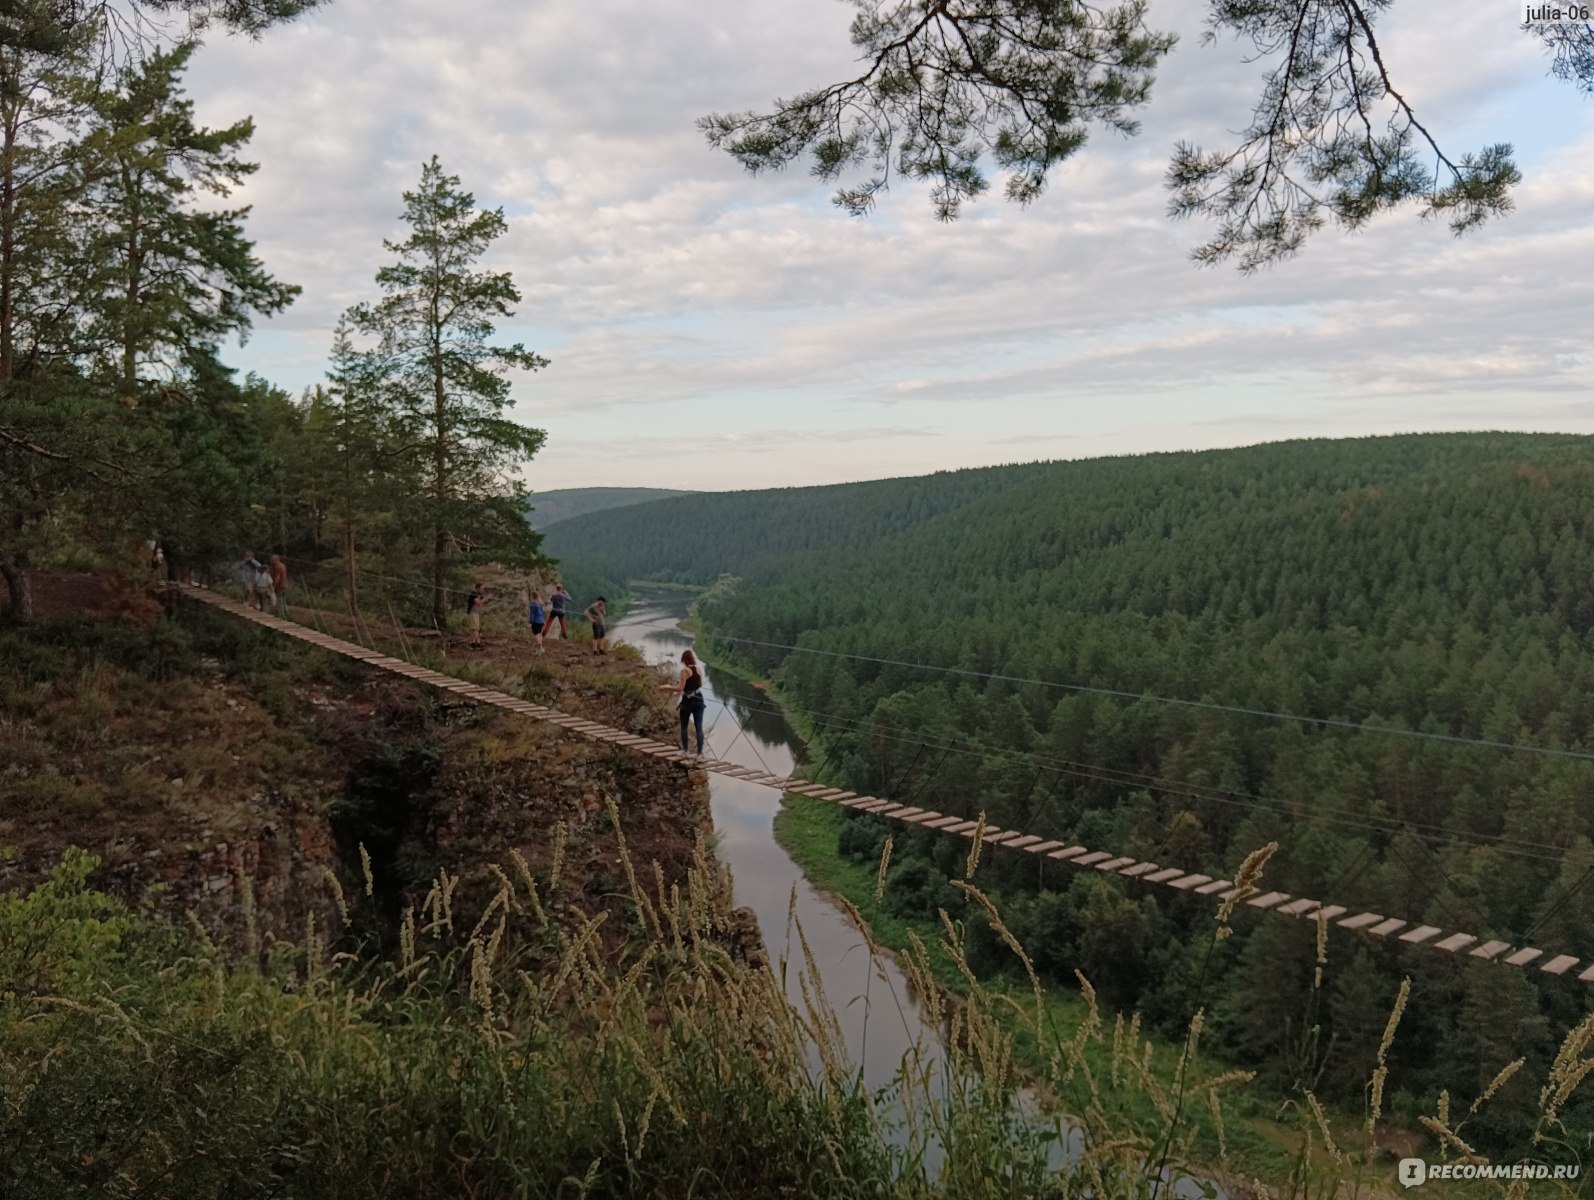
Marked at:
<point>446,384</point>
<point>49,426</point>
<point>367,471</point>
<point>175,279</point>
<point>107,271</point>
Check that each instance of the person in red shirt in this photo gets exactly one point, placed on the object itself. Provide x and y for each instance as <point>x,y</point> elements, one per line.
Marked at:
<point>279,582</point>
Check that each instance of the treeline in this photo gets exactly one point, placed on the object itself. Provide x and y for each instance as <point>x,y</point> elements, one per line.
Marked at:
<point>1441,584</point>
<point>119,288</point>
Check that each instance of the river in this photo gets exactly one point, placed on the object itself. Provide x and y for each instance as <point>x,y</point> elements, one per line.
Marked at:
<point>880,1019</point>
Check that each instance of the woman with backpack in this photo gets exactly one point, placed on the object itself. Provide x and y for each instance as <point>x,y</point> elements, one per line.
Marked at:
<point>690,687</point>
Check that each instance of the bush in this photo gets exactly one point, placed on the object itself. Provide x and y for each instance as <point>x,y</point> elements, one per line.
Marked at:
<point>861,840</point>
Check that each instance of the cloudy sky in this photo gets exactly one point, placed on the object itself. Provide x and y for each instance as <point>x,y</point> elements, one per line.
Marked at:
<point>713,330</point>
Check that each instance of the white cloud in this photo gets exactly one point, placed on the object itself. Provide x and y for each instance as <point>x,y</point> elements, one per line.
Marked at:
<point>679,297</point>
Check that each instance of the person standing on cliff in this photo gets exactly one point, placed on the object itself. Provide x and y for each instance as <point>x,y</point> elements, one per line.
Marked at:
<point>559,603</point>
<point>474,603</point>
<point>597,613</point>
<point>693,703</point>
<point>539,619</point>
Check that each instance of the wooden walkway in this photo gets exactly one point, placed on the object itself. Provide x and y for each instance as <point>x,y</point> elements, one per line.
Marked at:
<point>1372,924</point>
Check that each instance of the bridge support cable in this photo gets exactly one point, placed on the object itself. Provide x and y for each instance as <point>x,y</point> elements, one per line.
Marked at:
<point>1078,857</point>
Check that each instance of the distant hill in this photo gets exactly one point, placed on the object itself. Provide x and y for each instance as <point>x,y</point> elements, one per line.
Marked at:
<point>549,508</point>
<point>693,538</point>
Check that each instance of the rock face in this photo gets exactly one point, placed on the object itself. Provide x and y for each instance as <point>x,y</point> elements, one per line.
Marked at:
<point>280,774</point>
<point>269,881</point>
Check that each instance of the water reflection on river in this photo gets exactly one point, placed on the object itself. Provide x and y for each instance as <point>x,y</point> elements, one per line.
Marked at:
<point>879,1017</point>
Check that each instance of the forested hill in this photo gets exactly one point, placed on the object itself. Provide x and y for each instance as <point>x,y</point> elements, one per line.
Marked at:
<point>697,537</point>
<point>549,508</point>
<point>1440,583</point>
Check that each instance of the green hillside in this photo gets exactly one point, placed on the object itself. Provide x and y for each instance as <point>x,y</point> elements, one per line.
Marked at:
<point>549,508</point>
<point>696,537</point>
<point>1437,583</point>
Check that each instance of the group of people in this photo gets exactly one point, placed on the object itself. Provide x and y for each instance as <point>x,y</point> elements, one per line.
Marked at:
<point>545,619</point>
<point>264,584</point>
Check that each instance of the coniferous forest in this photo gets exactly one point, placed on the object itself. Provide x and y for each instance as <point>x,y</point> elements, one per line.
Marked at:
<point>1374,654</point>
<point>1415,609</point>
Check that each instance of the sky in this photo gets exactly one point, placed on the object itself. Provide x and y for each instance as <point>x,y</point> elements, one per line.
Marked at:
<point>709,329</point>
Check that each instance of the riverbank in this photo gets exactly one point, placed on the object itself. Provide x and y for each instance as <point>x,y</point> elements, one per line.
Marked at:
<point>1247,1144</point>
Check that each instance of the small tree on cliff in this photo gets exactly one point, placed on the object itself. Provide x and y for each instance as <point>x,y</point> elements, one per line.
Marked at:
<point>446,384</point>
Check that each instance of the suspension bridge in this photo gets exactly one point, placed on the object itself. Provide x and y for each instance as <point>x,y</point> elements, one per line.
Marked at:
<point>1275,903</point>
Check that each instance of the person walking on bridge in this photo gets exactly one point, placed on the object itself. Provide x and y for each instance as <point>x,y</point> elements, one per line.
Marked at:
<point>690,688</point>
<point>256,579</point>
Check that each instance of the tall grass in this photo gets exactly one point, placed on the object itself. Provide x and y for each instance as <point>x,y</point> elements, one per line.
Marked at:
<point>505,1053</point>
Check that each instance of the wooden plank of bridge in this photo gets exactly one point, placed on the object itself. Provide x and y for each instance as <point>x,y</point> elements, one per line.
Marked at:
<point>1455,942</point>
<point>1297,908</point>
<point>1491,949</point>
<point>1361,920</point>
<point>1422,933</point>
<point>1523,957</point>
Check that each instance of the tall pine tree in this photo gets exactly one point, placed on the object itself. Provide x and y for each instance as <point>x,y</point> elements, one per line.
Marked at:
<point>447,384</point>
<point>176,279</point>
